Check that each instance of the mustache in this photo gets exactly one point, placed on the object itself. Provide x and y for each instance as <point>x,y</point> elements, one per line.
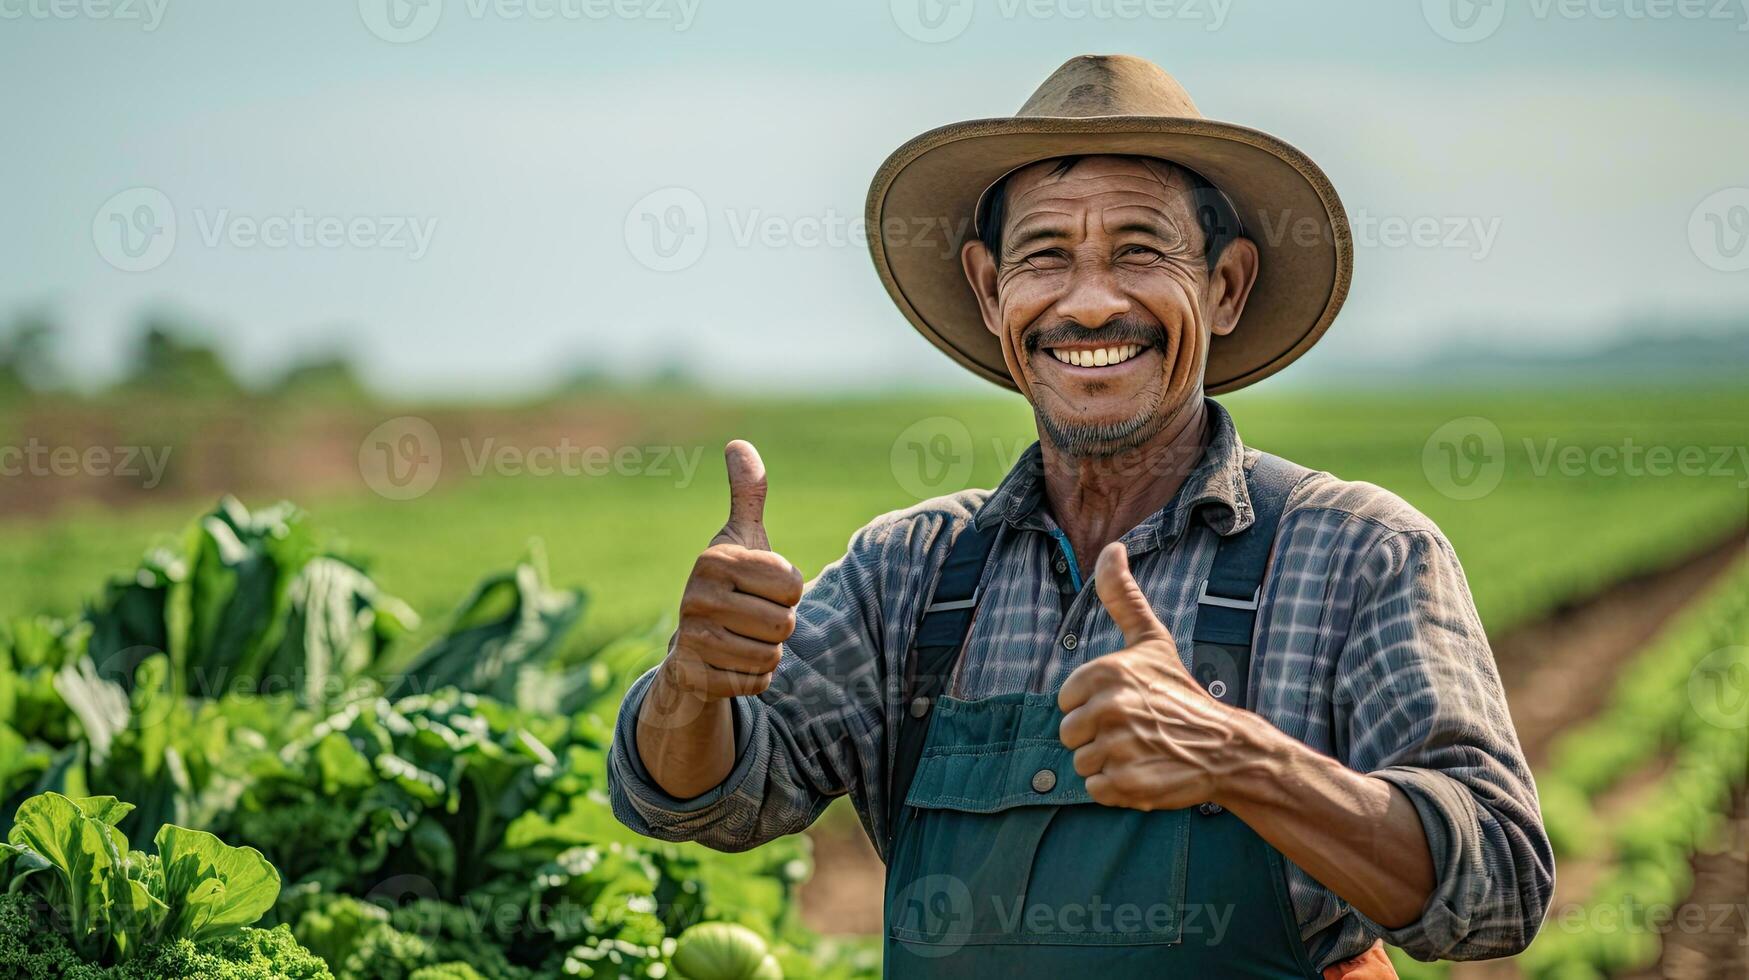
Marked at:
<point>1125,330</point>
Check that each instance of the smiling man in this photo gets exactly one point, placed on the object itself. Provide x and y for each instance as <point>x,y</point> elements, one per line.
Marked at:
<point>1158,705</point>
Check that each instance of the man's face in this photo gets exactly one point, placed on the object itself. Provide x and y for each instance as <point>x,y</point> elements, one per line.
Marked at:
<point>1103,298</point>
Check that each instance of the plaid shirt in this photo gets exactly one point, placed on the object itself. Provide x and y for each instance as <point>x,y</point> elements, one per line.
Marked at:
<point>1368,649</point>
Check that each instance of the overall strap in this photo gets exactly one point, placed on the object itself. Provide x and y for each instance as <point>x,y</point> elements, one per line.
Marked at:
<point>941,633</point>
<point>1226,611</point>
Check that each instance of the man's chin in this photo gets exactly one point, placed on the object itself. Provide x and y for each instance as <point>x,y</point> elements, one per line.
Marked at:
<point>1094,438</point>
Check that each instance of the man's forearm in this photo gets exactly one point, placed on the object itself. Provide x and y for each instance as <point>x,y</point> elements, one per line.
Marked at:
<point>686,742</point>
<point>1357,835</point>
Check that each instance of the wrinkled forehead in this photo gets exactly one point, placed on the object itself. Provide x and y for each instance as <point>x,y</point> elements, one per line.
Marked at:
<point>1099,183</point>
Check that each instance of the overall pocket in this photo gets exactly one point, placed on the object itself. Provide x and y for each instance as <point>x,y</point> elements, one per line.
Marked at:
<point>1001,845</point>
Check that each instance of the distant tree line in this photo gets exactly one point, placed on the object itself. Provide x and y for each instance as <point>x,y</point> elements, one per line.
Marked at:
<point>166,359</point>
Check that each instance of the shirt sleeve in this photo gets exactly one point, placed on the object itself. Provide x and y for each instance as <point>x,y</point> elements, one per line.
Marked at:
<point>818,732</point>
<point>1427,713</point>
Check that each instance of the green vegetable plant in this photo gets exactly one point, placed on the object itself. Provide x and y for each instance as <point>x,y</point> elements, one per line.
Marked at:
<point>445,819</point>
<point>80,901</point>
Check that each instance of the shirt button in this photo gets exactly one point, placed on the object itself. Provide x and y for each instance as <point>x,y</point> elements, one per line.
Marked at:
<point>1044,781</point>
<point>1070,641</point>
<point>1062,566</point>
<point>919,707</point>
<point>1208,809</point>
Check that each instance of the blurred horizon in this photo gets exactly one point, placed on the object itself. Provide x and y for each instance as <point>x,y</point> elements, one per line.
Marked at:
<point>1525,183</point>
<point>165,352</point>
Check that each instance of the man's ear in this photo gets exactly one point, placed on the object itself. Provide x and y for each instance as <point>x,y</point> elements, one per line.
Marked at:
<point>980,268</point>
<point>1229,285</point>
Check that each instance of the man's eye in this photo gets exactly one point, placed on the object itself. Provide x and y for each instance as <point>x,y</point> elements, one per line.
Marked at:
<point>1049,258</point>
<point>1138,253</point>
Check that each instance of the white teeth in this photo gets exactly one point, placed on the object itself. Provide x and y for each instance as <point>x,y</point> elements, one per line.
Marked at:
<point>1099,357</point>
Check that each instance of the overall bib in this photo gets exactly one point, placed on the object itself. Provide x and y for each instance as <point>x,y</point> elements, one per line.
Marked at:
<point>1001,865</point>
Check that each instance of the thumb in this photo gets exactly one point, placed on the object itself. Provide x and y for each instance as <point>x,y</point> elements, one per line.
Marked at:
<point>1123,598</point>
<point>746,526</point>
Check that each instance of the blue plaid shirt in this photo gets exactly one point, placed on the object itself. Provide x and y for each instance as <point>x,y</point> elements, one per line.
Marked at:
<point>1368,649</point>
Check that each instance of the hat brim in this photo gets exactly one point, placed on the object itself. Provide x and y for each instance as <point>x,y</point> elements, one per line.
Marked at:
<point>921,204</point>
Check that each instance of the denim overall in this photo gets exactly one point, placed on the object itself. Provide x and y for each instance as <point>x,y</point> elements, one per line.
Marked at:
<point>1001,865</point>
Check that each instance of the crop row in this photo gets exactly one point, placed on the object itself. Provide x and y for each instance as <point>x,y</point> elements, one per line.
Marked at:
<point>1674,737</point>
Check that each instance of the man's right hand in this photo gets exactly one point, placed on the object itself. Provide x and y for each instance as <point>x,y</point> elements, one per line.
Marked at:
<point>738,608</point>
<point>740,602</point>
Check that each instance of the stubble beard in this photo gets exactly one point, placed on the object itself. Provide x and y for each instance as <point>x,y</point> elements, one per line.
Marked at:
<point>1101,440</point>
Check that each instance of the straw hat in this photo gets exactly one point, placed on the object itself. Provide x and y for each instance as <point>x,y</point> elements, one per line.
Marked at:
<point>1113,104</point>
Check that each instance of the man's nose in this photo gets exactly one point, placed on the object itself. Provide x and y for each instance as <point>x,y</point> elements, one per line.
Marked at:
<point>1094,298</point>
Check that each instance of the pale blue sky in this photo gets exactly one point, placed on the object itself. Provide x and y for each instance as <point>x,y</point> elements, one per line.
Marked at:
<point>1562,155</point>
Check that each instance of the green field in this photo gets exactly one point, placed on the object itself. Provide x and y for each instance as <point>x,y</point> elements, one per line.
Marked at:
<point>1546,533</point>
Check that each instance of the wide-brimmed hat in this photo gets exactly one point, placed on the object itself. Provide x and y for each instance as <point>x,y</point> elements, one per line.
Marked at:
<point>929,190</point>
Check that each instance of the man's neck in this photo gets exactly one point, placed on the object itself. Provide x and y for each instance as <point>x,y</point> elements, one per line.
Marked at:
<point>1096,500</point>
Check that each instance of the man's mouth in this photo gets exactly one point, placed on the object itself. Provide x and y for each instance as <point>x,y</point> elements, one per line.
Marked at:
<point>1088,357</point>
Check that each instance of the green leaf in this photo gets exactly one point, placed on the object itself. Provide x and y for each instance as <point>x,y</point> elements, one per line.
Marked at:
<point>435,849</point>
<point>83,851</point>
<point>511,620</point>
<point>341,765</point>
<point>100,706</point>
<point>211,888</point>
<point>106,809</point>
<point>338,624</point>
<point>426,787</point>
<point>139,912</point>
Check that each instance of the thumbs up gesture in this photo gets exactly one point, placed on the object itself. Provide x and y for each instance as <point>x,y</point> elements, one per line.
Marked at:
<point>740,602</point>
<point>1145,734</point>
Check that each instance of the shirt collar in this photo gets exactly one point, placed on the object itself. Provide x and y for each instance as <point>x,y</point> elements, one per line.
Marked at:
<point>1215,491</point>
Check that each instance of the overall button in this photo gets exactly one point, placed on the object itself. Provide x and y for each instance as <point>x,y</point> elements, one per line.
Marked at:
<point>1062,566</point>
<point>919,707</point>
<point>1044,781</point>
<point>1071,641</point>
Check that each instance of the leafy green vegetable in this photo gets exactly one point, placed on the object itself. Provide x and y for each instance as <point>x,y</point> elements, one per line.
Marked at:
<point>250,603</point>
<point>110,905</point>
<point>211,888</point>
<point>31,949</point>
<point>242,685</point>
<point>511,621</point>
<point>339,624</point>
<point>425,939</point>
<point>73,852</point>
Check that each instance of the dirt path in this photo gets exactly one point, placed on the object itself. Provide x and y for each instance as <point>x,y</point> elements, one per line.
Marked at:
<point>1561,669</point>
<point>844,895</point>
<point>1713,940</point>
<point>1557,671</point>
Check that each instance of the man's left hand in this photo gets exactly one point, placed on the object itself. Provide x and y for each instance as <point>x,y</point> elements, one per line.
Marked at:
<point>1145,733</point>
